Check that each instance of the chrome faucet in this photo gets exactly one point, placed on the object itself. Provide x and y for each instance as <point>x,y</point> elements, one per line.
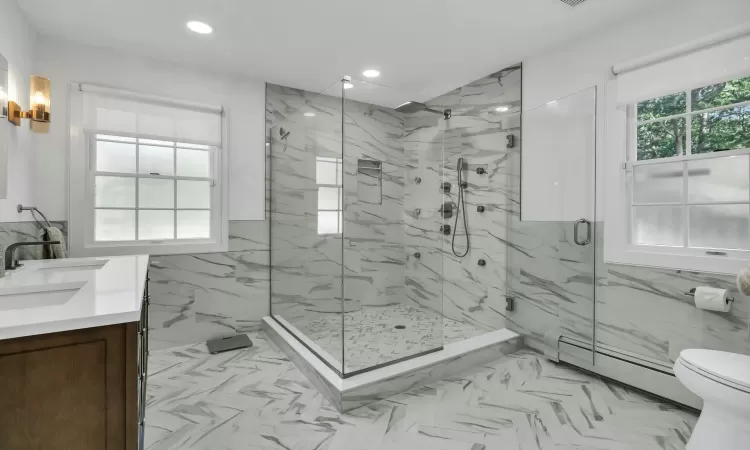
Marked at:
<point>10,262</point>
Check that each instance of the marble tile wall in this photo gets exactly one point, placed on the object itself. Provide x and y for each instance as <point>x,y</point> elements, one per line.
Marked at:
<point>639,312</point>
<point>458,287</point>
<point>12,232</point>
<point>196,297</point>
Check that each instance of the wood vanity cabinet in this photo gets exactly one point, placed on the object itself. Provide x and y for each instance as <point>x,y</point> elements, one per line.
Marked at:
<point>75,390</point>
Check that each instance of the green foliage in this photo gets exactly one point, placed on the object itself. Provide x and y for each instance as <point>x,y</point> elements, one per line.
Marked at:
<point>715,131</point>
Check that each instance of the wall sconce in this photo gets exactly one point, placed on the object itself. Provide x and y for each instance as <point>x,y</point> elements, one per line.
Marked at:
<point>3,86</point>
<point>40,106</point>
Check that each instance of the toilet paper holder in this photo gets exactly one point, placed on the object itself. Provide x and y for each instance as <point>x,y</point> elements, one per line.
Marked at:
<point>692,294</point>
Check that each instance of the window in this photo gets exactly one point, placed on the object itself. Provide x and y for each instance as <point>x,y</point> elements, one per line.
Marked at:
<point>688,171</point>
<point>145,175</point>
<point>151,190</point>
<point>329,177</point>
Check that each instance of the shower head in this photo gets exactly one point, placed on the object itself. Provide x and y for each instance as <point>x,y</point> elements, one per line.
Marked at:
<point>284,134</point>
<point>415,107</point>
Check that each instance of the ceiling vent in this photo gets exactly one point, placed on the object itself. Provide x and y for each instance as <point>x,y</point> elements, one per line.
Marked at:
<point>572,2</point>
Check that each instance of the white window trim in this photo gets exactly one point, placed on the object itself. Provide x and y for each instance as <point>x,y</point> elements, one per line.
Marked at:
<point>81,211</point>
<point>621,123</point>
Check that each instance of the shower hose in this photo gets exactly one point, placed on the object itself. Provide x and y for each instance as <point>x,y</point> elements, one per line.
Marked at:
<point>461,202</point>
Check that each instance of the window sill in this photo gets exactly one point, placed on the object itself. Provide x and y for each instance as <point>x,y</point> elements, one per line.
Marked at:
<point>172,248</point>
<point>723,265</point>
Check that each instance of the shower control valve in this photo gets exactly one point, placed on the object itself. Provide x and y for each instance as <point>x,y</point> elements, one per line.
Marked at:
<point>482,262</point>
<point>446,187</point>
<point>417,255</point>
<point>445,229</point>
<point>480,208</point>
<point>418,180</point>
<point>481,171</point>
<point>417,212</point>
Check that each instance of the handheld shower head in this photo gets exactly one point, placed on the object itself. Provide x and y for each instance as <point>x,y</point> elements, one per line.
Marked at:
<point>415,107</point>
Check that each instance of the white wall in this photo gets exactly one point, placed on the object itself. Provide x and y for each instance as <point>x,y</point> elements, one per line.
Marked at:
<point>579,65</point>
<point>64,62</point>
<point>17,42</point>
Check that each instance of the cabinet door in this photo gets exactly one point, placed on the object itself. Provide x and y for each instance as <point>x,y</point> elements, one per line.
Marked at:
<point>69,390</point>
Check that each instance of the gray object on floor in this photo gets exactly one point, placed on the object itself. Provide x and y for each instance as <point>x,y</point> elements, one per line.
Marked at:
<point>228,343</point>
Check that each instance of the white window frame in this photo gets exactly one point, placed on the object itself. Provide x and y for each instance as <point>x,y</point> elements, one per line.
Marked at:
<point>81,172</point>
<point>619,248</point>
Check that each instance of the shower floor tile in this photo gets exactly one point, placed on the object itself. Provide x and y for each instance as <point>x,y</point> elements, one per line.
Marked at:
<point>378,335</point>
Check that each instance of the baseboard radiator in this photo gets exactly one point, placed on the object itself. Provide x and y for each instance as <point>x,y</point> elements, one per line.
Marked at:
<point>647,374</point>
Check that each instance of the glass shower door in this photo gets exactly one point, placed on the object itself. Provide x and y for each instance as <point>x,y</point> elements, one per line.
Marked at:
<point>553,246</point>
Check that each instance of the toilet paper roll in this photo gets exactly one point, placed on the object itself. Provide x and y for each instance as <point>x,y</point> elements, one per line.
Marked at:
<point>712,299</point>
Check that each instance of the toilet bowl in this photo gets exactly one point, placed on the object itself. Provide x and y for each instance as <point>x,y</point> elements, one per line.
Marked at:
<point>722,380</point>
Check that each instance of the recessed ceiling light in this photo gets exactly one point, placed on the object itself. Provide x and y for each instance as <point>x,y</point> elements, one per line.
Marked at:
<point>200,27</point>
<point>552,102</point>
<point>371,73</point>
<point>502,109</point>
<point>348,85</point>
<point>309,114</point>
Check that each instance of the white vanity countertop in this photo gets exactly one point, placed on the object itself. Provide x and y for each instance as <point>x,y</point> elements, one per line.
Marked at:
<point>55,295</point>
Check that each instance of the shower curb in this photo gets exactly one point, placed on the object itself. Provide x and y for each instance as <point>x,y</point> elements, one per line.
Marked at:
<point>360,390</point>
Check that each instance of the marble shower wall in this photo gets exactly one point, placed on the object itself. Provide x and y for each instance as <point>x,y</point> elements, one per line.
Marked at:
<point>460,288</point>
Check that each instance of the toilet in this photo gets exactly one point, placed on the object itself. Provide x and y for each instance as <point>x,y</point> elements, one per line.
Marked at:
<point>722,380</point>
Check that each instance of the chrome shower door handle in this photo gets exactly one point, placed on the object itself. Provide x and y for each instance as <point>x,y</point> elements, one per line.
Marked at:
<point>588,232</point>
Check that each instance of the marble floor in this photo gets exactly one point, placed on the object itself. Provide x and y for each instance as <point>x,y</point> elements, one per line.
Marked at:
<point>256,399</point>
<point>371,338</point>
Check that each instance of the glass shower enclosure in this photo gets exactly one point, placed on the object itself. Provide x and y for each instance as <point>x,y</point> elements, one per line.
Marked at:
<point>356,257</point>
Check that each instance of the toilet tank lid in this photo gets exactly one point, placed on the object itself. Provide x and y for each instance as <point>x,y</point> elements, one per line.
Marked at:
<point>728,366</point>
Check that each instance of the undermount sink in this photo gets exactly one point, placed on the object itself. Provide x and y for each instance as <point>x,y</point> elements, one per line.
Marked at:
<point>74,264</point>
<point>23,297</point>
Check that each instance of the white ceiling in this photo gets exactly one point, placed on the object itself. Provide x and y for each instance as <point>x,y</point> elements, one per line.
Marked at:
<point>423,47</point>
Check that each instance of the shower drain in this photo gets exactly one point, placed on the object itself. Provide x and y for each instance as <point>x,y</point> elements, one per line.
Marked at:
<point>400,327</point>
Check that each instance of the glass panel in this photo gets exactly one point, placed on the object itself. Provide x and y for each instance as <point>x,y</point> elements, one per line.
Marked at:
<point>546,250</point>
<point>155,224</point>
<point>155,193</point>
<point>721,94</point>
<point>193,224</point>
<point>156,160</point>
<point>386,317</point>
<point>328,198</point>
<point>306,246</point>
<point>669,105</point>
<point>657,183</point>
<point>115,192</point>
<point>719,180</point>
<point>720,226</point>
<point>115,157</point>
<point>114,225</point>
<point>661,139</point>
<point>727,129</point>
<point>328,222</point>
<point>193,194</point>
<point>193,163</point>
<point>658,225</point>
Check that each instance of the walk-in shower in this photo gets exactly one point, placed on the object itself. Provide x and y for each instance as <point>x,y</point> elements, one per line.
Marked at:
<point>362,192</point>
